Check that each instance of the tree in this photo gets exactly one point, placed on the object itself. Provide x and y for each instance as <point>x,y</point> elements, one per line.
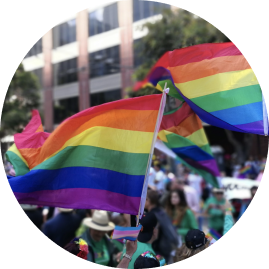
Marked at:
<point>22,96</point>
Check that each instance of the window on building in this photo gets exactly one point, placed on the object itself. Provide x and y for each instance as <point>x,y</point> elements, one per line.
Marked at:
<point>104,62</point>
<point>64,33</point>
<point>105,97</point>
<point>65,72</point>
<point>103,19</point>
<point>36,49</point>
<point>65,108</point>
<point>145,9</point>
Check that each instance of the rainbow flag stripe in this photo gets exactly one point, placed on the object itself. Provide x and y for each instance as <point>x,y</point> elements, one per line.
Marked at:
<point>181,130</point>
<point>218,84</point>
<point>27,144</point>
<point>128,233</point>
<point>95,159</point>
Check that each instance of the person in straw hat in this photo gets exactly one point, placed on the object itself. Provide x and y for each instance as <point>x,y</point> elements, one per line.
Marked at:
<point>101,249</point>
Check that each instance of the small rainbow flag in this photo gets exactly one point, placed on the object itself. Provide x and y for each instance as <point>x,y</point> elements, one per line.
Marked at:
<point>245,170</point>
<point>128,233</point>
<point>213,236</point>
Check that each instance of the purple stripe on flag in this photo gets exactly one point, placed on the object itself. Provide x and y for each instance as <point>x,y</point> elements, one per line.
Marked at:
<point>207,165</point>
<point>252,127</point>
<point>82,198</point>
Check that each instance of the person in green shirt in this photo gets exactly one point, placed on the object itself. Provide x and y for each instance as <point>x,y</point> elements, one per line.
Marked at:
<point>214,207</point>
<point>101,249</point>
<point>145,238</point>
<point>182,217</point>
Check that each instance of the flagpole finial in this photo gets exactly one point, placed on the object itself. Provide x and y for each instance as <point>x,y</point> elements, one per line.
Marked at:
<point>166,90</point>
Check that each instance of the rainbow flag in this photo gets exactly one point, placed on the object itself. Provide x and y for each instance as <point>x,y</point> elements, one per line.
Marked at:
<point>128,233</point>
<point>96,159</point>
<point>181,130</point>
<point>213,235</point>
<point>23,152</point>
<point>218,84</point>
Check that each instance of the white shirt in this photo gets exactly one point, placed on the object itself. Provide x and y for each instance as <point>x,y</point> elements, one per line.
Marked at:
<point>195,182</point>
<point>192,198</point>
<point>160,177</point>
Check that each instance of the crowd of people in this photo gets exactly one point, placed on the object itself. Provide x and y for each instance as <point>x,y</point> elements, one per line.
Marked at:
<point>179,212</point>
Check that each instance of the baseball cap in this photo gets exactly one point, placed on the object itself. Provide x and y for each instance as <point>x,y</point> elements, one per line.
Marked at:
<point>149,222</point>
<point>195,239</point>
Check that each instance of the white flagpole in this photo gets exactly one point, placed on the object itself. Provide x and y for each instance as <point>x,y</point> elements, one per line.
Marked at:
<point>265,117</point>
<point>157,127</point>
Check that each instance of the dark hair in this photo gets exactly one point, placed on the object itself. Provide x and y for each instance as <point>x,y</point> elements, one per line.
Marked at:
<point>181,208</point>
<point>145,262</point>
<point>153,197</point>
<point>73,248</point>
<point>182,198</point>
<point>254,188</point>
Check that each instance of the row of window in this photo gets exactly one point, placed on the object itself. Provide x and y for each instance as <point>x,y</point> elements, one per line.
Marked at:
<point>100,21</point>
<point>70,106</point>
<point>102,62</point>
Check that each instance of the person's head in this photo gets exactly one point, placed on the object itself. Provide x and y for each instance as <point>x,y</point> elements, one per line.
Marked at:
<point>218,194</point>
<point>253,191</point>
<point>118,219</point>
<point>195,242</point>
<point>146,260</point>
<point>177,199</point>
<point>78,247</point>
<point>149,232</point>
<point>152,199</point>
<point>157,167</point>
<point>98,225</point>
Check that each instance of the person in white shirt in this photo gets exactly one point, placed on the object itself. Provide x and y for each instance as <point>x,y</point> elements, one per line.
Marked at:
<point>159,178</point>
<point>195,181</point>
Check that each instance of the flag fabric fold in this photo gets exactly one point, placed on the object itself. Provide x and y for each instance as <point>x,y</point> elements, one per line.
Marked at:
<point>218,84</point>
<point>23,153</point>
<point>181,130</point>
<point>95,159</point>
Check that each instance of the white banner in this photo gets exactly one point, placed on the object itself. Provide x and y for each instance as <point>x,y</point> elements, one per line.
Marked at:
<point>238,188</point>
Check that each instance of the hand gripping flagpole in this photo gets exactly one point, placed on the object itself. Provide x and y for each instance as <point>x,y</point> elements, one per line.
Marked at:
<point>157,127</point>
<point>265,117</point>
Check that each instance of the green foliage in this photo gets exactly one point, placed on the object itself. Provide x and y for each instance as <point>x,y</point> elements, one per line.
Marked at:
<point>177,29</point>
<point>22,96</point>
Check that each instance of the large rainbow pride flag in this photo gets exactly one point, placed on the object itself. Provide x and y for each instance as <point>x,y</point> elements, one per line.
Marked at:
<point>218,84</point>
<point>96,159</point>
<point>181,130</point>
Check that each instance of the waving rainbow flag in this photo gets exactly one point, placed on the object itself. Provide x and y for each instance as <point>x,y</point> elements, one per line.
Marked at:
<point>181,130</point>
<point>218,84</point>
<point>22,154</point>
<point>96,159</point>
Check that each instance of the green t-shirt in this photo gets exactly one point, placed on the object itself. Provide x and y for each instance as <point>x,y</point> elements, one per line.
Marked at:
<point>141,248</point>
<point>100,252</point>
<point>216,215</point>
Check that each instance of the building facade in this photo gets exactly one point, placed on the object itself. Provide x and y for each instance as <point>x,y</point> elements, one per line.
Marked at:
<point>89,59</point>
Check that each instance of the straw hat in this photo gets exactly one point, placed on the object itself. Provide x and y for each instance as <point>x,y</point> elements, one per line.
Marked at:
<point>64,210</point>
<point>215,190</point>
<point>99,221</point>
